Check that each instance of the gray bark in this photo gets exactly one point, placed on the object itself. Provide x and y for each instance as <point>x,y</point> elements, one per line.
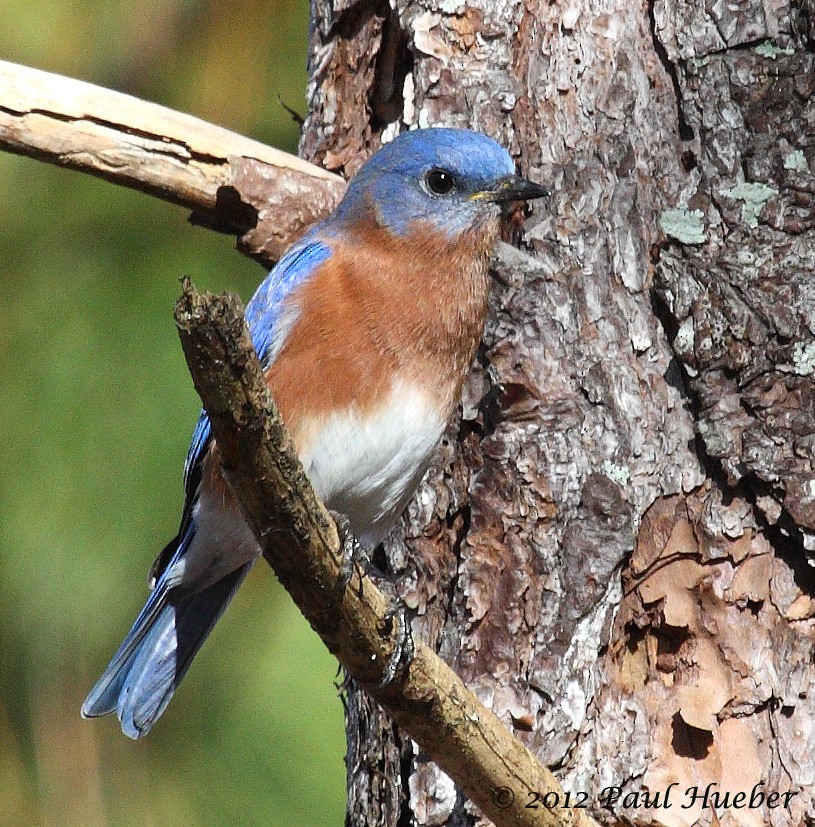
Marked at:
<point>611,546</point>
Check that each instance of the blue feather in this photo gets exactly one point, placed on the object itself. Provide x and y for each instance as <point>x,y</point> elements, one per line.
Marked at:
<point>263,313</point>
<point>263,318</point>
<point>154,657</point>
<point>146,670</point>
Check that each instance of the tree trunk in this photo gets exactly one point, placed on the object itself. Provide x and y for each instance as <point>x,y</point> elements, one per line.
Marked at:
<point>611,546</point>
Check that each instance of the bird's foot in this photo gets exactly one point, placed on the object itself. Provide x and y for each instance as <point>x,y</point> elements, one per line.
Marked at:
<point>357,558</point>
<point>354,556</point>
<point>404,649</point>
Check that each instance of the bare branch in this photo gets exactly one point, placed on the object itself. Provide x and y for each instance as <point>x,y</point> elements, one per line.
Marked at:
<point>230,182</point>
<point>300,542</point>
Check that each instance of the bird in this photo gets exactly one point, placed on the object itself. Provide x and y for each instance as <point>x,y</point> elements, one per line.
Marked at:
<point>366,329</point>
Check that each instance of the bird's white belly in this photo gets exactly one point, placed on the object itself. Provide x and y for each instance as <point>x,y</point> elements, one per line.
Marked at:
<point>367,465</point>
<point>363,466</point>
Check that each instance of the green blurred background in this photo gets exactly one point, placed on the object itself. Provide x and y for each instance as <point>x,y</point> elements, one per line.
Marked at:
<point>96,410</point>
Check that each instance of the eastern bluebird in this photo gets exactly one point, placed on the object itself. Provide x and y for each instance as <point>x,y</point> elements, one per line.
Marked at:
<point>366,329</point>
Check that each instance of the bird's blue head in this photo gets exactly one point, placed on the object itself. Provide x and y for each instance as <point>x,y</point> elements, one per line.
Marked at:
<point>452,179</point>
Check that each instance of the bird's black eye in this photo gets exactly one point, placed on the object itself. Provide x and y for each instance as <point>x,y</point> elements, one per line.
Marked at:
<point>439,182</point>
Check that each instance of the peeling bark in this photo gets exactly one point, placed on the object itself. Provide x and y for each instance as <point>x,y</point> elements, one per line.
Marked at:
<point>610,548</point>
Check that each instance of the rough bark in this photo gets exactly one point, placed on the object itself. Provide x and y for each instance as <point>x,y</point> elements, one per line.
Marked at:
<point>611,546</point>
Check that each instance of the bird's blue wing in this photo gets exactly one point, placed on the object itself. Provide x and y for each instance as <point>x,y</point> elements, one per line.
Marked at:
<point>265,312</point>
<point>268,328</point>
<point>200,441</point>
<point>145,671</point>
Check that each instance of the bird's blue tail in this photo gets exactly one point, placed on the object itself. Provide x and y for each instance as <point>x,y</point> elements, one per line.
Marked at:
<point>155,655</point>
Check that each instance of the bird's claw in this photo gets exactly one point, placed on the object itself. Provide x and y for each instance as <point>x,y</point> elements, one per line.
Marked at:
<point>404,648</point>
<point>357,558</point>
<point>354,556</point>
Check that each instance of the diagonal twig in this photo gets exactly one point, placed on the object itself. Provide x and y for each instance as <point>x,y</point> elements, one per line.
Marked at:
<point>299,540</point>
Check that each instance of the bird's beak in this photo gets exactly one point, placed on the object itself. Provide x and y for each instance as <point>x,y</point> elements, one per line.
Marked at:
<point>511,188</point>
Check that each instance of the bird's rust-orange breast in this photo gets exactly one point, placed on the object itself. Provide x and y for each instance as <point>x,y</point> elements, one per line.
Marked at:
<point>383,308</point>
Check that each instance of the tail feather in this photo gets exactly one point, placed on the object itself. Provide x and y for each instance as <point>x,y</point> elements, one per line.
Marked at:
<point>154,657</point>
<point>104,697</point>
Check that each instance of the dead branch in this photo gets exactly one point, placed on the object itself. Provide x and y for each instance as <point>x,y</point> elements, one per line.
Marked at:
<point>231,183</point>
<point>300,542</point>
